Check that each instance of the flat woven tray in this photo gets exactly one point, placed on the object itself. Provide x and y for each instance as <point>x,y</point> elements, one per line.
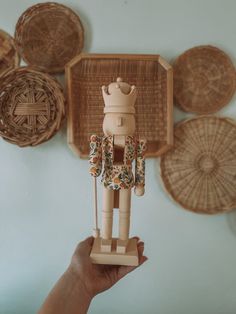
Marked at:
<point>204,80</point>
<point>9,58</point>
<point>200,171</point>
<point>152,76</point>
<point>31,107</point>
<point>48,35</point>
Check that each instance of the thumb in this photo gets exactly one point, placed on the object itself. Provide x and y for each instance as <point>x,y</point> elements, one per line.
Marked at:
<point>84,248</point>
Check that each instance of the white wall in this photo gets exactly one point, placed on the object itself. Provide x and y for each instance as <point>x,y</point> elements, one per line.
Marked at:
<point>45,192</point>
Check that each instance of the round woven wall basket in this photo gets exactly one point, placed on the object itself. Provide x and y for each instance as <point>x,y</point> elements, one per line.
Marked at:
<point>199,173</point>
<point>9,58</point>
<point>48,35</point>
<point>32,107</point>
<point>204,80</point>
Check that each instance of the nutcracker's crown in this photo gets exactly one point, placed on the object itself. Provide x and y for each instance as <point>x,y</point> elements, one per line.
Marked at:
<point>119,97</point>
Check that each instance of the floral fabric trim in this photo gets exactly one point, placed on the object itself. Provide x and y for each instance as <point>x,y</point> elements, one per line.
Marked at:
<point>95,156</point>
<point>117,177</point>
<point>140,163</point>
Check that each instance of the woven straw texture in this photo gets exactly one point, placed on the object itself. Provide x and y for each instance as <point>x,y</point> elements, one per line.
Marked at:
<point>200,171</point>
<point>31,107</point>
<point>9,58</point>
<point>85,76</point>
<point>204,80</point>
<point>48,35</point>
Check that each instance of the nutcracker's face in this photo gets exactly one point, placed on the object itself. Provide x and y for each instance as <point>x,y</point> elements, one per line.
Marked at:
<point>118,124</point>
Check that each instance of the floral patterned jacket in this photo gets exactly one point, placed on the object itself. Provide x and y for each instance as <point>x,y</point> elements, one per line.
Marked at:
<point>117,176</point>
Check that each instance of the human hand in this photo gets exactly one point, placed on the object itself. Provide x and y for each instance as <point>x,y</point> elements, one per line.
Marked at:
<point>98,278</point>
<point>139,190</point>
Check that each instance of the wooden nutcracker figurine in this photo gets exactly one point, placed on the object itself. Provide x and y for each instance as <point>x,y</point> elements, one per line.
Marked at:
<point>115,152</point>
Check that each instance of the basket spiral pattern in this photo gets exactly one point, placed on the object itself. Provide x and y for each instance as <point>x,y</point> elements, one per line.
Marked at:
<point>200,171</point>
<point>32,107</point>
<point>48,35</point>
<point>9,58</point>
<point>204,80</point>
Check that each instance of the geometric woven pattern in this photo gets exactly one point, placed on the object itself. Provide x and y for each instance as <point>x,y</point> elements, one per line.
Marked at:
<point>31,107</point>
<point>200,171</point>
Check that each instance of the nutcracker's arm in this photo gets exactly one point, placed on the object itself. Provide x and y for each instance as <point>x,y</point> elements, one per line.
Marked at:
<point>140,167</point>
<point>95,155</point>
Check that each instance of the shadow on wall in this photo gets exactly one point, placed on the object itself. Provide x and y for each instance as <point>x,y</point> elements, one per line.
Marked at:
<point>231,220</point>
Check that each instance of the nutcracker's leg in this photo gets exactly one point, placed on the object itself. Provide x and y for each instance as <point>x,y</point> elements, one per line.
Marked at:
<point>107,219</point>
<point>124,219</point>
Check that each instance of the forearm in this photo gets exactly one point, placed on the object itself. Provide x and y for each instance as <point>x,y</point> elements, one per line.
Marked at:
<point>68,296</point>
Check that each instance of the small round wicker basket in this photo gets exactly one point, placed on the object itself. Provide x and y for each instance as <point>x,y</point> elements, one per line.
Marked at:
<point>200,171</point>
<point>48,35</point>
<point>9,58</point>
<point>204,80</point>
<point>32,106</point>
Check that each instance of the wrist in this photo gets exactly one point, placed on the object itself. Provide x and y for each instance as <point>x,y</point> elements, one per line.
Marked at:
<point>67,296</point>
<point>77,284</point>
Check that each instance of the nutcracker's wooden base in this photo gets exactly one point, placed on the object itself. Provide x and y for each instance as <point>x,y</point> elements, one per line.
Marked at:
<point>129,258</point>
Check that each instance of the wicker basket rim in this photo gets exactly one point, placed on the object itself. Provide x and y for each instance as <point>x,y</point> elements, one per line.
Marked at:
<point>54,87</point>
<point>214,211</point>
<point>16,55</point>
<point>36,8</point>
<point>230,62</point>
<point>156,147</point>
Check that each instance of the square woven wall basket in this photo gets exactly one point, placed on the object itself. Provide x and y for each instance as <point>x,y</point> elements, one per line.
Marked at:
<point>153,77</point>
